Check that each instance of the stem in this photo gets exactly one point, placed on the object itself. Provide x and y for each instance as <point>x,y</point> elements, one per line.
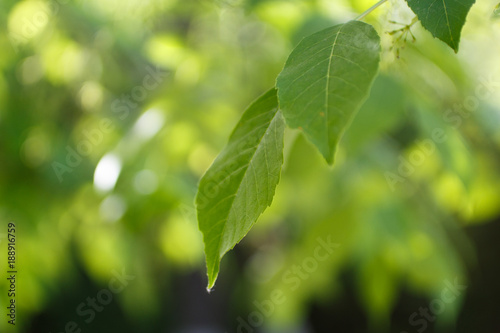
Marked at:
<point>369,10</point>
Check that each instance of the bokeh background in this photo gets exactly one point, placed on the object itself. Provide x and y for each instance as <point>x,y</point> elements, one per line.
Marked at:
<point>110,112</point>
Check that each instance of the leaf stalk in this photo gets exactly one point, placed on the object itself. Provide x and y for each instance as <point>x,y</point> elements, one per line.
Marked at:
<point>369,10</point>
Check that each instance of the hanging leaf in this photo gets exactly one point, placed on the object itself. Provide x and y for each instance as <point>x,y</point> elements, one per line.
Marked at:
<point>326,79</point>
<point>241,182</point>
<point>443,18</point>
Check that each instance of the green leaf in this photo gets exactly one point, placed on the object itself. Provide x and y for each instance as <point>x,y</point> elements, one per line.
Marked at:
<point>443,18</point>
<point>326,79</point>
<point>240,184</point>
<point>496,12</point>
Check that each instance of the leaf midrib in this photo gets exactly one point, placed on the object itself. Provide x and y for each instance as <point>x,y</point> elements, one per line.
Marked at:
<point>448,23</point>
<point>327,109</point>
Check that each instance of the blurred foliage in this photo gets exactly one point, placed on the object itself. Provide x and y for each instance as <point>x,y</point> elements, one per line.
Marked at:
<point>79,76</point>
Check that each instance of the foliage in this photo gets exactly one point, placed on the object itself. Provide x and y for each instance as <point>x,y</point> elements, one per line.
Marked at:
<point>150,91</point>
<point>321,87</point>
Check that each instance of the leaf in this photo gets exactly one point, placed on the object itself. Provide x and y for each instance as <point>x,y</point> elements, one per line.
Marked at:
<point>444,19</point>
<point>240,184</point>
<point>326,79</point>
<point>496,12</point>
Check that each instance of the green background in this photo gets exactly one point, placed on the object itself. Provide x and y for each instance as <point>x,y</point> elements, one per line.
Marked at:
<point>132,100</point>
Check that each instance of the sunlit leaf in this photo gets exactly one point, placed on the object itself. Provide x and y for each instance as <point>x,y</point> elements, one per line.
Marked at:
<point>326,79</point>
<point>240,184</point>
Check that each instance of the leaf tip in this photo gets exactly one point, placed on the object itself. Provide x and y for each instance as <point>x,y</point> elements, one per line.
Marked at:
<point>212,272</point>
<point>452,44</point>
<point>329,154</point>
<point>211,283</point>
<point>329,160</point>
